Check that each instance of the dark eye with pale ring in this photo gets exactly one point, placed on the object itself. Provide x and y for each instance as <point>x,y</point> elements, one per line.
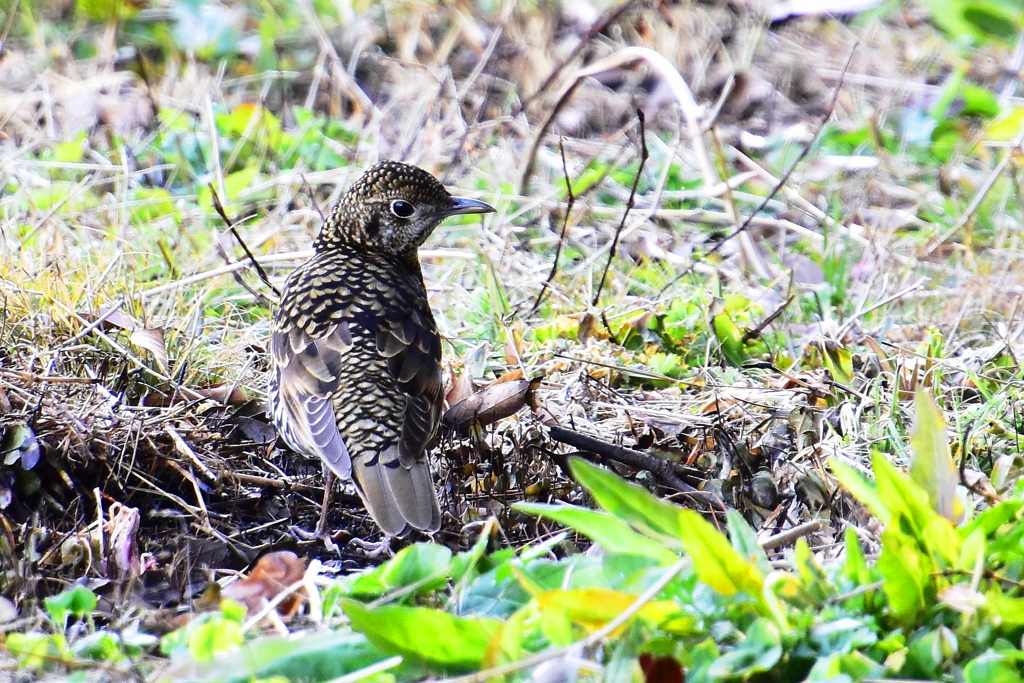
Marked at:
<point>402,208</point>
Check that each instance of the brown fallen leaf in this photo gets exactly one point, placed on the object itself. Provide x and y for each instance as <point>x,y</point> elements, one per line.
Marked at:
<point>149,338</point>
<point>494,402</point>
<point>462,387</point>
<point>273,573</point>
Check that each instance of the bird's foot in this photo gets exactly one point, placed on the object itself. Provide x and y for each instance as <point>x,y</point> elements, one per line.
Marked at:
<point>378,550</point>
<point>324,536</point>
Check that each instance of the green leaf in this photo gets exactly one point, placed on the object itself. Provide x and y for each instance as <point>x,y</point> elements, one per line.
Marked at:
<point>744,540</point>
<point>613,534</point>
<point>37,650</point>
<point>321,656</point>
<point>214,636</point>
<point>1008,610</point>
<point>79,601</point>
<point>839,362</point>
<point>979,101</point>
<point>856,566</point>
<point>631,503</point>
<point>759,651</point>
<point>437,639</point>
<point>932,466</point>
<point>906,575</point>
<point>861,487</point>
<point>992,19</point>
<point>911,510</point>
<point>991,667</point>
<point>715,561</point>
<point>424,565</point>
<point>730,338</point>
<point>1007,126</point>
<point>234,183</point>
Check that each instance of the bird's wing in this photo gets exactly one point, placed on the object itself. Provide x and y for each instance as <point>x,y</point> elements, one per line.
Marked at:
<point>411,345</point>
<point>306,372</point>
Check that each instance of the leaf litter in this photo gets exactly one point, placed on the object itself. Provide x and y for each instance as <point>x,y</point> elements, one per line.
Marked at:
<point>160,424</point>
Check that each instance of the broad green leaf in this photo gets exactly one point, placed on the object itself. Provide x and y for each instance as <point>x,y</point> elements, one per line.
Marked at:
<point>37,650</point>
<point>613,534</point>
<point>856,566</point>
<point>321,656</point>
<point>631,503</point>
<point>715,561</point>
<point>435,638</point>
<point>850,667</point>
<point>234,183</point>
<point>932,466</point>
<point>930,651</point>
<point>744,540</point>
<point>978,101</point>
<point>730,338</point>
<point>592,608</point>
<point>1009,611</point>
<point>815,582</point>
<point>254,115</point>
<point>79,601</point>
<point>425,565</point>
<point>839,361</point>
<point>911,510</point>
<point>760,650</point>
<point>1007,126</point>
<point>992,18</point>
<point>862,488</point>
<point>991,667</point>
<point>214,636</point>
<point>972,553</point>
<point>906,574</point>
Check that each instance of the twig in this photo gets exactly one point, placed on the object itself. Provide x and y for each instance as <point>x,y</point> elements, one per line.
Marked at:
<point>312,196</point>
<point>570,200</point>
<point>756,332</point>
<point>238,238</point>
<point>789,535</point>
<point>11,13</point>
<point>630,203</point>
<point>524,183</point>
<point>633,458</point>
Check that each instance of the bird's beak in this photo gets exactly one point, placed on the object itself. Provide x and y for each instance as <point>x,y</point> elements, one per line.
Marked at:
<point>461,205</point>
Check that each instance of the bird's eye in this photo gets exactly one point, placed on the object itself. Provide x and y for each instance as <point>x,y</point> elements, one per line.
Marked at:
<point>402,208</point>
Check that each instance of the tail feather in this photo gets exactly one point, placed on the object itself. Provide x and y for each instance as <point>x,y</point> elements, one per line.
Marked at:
<point>398,498</point>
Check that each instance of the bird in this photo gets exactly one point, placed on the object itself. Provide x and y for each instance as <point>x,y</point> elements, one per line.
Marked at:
<point>356,354</point>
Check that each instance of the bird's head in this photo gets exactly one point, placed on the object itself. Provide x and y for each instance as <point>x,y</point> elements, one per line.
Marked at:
<point>393,208</point>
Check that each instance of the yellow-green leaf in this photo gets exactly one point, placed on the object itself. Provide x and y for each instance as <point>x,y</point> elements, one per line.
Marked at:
<point>932,466</point>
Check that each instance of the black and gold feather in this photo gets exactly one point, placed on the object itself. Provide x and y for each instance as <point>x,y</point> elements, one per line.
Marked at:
<point>355,350</point>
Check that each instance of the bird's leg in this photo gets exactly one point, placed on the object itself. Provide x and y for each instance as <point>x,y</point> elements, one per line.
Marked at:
<point>321,528</point>
<point>381,548</point>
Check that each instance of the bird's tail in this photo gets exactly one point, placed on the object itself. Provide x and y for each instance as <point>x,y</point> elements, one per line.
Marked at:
<point>399,498</point>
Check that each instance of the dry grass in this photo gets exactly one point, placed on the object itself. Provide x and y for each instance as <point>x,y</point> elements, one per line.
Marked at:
<point>437,87</point>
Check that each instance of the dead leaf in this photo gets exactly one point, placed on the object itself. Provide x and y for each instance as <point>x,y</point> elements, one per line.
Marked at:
<point>510,376</point>
<point>148,338</point>
<point>227,394</point>
<point>273,573</point>
<point>462,387</point>
<point>493,403</point>
<point>152,339</point>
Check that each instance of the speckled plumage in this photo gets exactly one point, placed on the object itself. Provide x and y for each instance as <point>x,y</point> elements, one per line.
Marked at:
<point>356,352</point>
